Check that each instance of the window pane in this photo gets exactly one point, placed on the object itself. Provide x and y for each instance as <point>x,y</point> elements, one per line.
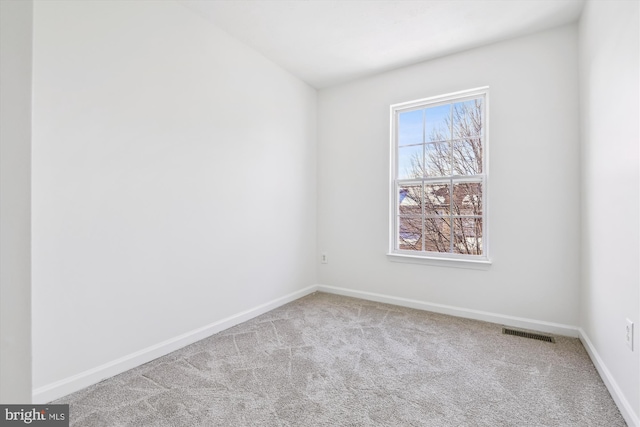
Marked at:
<point>410,200</point>
<point>437,123</point>
<point>437,235</point>
<point>410,163</point>
<point>467,118</point>
<point>410,233</point>
<point>467,157</point>
<point>467,198</point>
<point>410,127</point>
<point>440,175</point>
<point>436,199</point>
<point>437,159</point>
<point>467,234</point>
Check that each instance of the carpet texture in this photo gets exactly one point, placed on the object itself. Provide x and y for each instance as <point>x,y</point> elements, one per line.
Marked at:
<point>328,360</point>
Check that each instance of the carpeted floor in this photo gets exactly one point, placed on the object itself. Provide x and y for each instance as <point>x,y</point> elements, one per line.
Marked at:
<point>328,360</point>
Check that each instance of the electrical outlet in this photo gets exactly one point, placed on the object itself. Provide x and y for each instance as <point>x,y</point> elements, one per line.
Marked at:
<point>323,258</point>
<point>629,334</point>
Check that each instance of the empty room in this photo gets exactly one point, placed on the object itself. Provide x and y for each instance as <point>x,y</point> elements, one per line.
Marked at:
<point>320,213</point>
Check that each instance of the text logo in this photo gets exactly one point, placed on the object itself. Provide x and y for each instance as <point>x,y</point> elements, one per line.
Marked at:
<point>35,415</point>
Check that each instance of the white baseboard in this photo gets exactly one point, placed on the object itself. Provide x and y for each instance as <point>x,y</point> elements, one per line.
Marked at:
<point>518,322</point>
<point>623,404</point>
<point>84,379</point>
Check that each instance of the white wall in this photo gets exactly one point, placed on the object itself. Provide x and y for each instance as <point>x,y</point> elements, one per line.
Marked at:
<point>533,189</point>
<point>16,23</point>
<point>610,98</point>
<point>173,180</point>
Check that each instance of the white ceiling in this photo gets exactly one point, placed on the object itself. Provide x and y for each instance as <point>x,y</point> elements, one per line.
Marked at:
<point>327,42</point>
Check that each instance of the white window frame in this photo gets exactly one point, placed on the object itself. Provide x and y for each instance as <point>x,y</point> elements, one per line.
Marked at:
<point>438,258</point>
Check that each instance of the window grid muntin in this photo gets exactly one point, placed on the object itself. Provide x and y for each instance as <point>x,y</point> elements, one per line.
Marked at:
<point>451,181</point>
<point>444,179</point>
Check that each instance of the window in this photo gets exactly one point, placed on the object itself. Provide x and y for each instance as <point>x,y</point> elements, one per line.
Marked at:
<point>439,178</point>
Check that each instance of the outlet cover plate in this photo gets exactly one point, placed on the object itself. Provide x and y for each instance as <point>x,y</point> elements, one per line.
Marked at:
<point>629,334</point>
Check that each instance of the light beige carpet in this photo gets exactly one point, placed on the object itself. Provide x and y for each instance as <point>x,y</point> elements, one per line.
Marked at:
<point>327,360</point>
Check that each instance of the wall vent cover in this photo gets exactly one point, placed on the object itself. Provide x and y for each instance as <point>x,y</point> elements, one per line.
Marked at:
<point>528,334</point>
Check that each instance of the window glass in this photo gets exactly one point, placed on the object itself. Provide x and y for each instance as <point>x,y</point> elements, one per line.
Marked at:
<point>439,176</point>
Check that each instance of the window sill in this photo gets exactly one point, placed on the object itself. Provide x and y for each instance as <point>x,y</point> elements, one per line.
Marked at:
<point>480,264</point>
